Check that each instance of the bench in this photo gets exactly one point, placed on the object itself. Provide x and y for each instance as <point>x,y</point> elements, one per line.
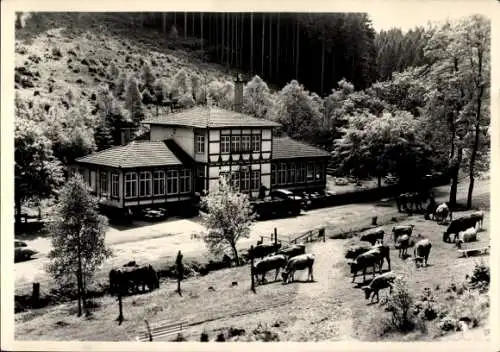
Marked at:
<point>465,252</point>
<point>162,329</point>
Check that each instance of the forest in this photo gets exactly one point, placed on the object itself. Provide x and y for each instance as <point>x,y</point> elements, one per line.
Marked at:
<point>382,103</point>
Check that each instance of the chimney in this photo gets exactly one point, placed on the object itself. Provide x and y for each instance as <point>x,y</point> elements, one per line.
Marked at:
<point>238,93</point>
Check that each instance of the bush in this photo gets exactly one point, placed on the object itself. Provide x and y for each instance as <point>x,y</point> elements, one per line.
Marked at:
<point>471,306</point>
<point>399,305</point>
<point>426,306</point>
<point>480,278</point>
<point>179,338</point>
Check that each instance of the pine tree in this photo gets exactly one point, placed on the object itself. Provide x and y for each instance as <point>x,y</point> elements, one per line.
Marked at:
<point>133,101</point>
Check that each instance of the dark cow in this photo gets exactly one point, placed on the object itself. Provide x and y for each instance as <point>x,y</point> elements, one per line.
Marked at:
<point>373,258</point>
<point>469,235</point>
<point>275,262</point>
<point>293,250</point>
<point>402,230</point>
<point>262,250</point>
<point>132,277</point>
<point>421,251</point>
<point>403,243</point>
<point>372,236</point>
<point>300,262</point>
<point>380,282</point>
<point>458,225</point>
<point>354,251</point>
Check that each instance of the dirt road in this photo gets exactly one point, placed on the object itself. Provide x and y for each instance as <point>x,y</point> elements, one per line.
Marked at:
<point>152,243</point>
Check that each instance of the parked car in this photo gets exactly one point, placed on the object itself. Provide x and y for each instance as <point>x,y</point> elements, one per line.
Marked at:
<point>279,202</point>
<point>22,252</point>
<point>150,214</point>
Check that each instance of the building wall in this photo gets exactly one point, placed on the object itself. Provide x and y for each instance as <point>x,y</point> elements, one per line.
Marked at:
<point>184,137</point>
<point>290,180</point>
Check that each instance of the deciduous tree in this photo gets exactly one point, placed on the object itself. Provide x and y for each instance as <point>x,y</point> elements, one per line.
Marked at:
<point>229,218</point>
<point>78,234</point>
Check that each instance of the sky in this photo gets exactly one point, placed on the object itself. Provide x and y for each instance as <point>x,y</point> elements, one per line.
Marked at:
<point>385,18</point>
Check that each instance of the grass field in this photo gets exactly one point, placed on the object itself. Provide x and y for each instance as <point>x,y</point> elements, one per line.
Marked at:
<point>330,308</point>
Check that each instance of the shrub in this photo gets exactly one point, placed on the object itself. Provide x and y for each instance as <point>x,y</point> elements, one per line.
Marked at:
<point>471,306</point>
<point>179,338</point>
<point>399,305</point>
<point>262,333</point>
<point>480,278</point>
<point>426,306</point>
<point>448,324</point>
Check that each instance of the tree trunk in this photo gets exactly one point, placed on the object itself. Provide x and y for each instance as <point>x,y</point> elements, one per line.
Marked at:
<point>323,44</point>
<point>185,25</point>
<point>263,46</point>
<point>223,48</point>
<point>278,47</point>
<point>164,22</point>
<point>297,50</point>
<point>270,46</point>
<point>201,28</point>
<point>379,181</point>
<point>18,206</point>
<point>251,43</point>
<point>454,178</point>
<point>235,253</point>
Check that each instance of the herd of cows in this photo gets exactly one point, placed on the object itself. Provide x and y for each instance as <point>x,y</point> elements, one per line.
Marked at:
<point>272,257</point>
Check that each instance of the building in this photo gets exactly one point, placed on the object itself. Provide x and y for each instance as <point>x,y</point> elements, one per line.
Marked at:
<point>188,151</point>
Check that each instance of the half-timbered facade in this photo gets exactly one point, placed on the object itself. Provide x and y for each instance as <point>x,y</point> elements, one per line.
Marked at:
<point>189,151</point>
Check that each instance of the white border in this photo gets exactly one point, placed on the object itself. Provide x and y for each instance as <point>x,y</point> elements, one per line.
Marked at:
<point>401,8</point>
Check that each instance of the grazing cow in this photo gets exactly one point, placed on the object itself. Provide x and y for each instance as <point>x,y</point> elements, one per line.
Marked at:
<point>380,282</point>
<point>458,225</point>
<point>275,262</point>
<point>479,216</point>
<point>442,212</point>
<point>354,251</point>
<point>262,250</point>
<point>469,235</point>
<point>373,236</point>
<point>421,251</point>
<point>372,258</point>
<point>403,243</point>
<point>131,277</point>
<point>402,230</point>
<point>300,262</point>
<point>293,250</point>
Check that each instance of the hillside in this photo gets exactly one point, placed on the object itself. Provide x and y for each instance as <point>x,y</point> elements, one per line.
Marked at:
<point>57,52</point>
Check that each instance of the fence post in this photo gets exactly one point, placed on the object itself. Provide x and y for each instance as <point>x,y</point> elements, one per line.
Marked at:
<point>150,336</point>
<point>251,268</point>
<point>374,221</point>
<point>35,295</point>
<point>322,233</point>
<point>275,235</point>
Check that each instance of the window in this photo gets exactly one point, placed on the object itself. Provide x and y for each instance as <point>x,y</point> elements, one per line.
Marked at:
<point>103,184</point>
<point>225,144</point>
<point>159,183</point>
<point>200,144</point>
<point>235,181</point>
<point>115,185</point>
<point>145,183</point>
<point>301,173</point>
<point>172,181</point>
<point>245,181</point>
<point>274,171</point>
<point>255,180</point>
<point>245,144</point>
<point>319,172</point>
<point>185,181</point>
<point>130,185</point>
<point>256,143</point>
<point>310,171</point>
<point>200,171</point>
<point>282,174</point>
<point>235,144</point>
<point>291,173</point>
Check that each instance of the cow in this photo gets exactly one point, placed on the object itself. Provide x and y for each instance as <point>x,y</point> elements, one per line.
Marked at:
<point>421,251</point>
<point>458,225</point>
<point>262,250</point>
<point>402,230</point>
<point>372,258</point>
<point>380,282</point>
<point>293,250</point>
<point>372,236</point>
<point>431,209</point>
<point>300,262</point>
<point>275,262</point>
<point>469,235</point>
<point>411,201</point>
<point>403,243</point>
<point>442,212</point>
<point>353,251</point>
<point>132,277</point>
<point>479,216</point>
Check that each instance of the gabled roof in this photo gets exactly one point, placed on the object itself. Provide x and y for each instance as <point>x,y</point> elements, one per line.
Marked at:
<point>287,148</point>
<point>134,154</point>
<point>210,117</point>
